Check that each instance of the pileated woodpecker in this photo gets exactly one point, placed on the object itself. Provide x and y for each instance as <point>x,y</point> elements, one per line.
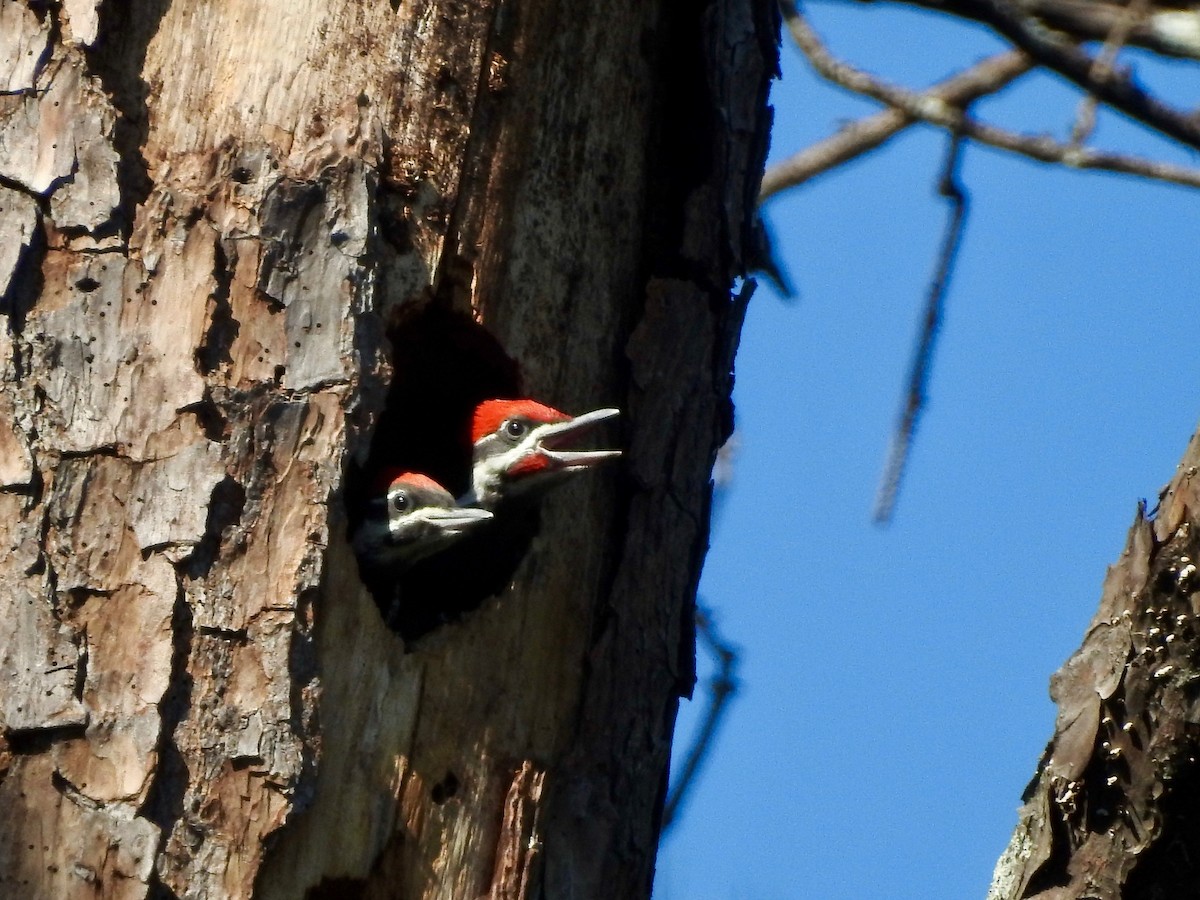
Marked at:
<point>416,517</point>
<point>518,449</point>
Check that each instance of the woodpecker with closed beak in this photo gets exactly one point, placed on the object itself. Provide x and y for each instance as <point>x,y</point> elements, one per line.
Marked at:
<point>414,518</point>
<point>519,449</point>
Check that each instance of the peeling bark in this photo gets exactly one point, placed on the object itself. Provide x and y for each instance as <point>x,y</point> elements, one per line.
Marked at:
<point>213,220</point>
<point>1111,811</point>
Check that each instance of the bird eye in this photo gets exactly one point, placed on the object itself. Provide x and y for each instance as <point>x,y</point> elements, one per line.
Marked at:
<point>515,428</point>
<point>401,502</point>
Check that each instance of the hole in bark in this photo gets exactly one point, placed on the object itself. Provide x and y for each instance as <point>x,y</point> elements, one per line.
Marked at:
<point>164,803</point>
<point>337,889</point>
<point>445,364</point>
<point>1053,872</point>
<point>393,226</point>
<point>210,418</point>
<point>1135,739</point>
<point>34,742</point>
<point>77,597</point>
<point>25,284</point>
<point>87,284</point>
<point>1164,582</point>
<point>444,789</point>
<point>1170,866</point>
<point>117,57</point>
<point>223,328</point>
<point>224,512</point>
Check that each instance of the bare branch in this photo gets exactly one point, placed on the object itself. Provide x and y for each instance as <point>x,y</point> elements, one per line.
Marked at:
<point>922,363</point>
<point>937,110</point>
<point>852,140</point>
<point>1085,121</point>
<point>1169,32</point>
<point>1045,149</point>
<point>722,686</point>
<point>945,105</point>
<point>1054,51</point>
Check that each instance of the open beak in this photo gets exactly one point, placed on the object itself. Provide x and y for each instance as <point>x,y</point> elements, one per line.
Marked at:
<point>551,437</point>
<point>456,520</point>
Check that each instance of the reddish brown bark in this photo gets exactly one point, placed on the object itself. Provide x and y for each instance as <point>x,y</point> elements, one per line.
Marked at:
<point>1111,811</point>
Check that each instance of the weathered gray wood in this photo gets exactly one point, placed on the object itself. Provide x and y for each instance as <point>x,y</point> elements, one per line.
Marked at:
<point>210,215</point>
<point>22,41</point>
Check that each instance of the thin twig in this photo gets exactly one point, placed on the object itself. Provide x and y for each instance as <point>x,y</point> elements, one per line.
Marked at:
<point>1166,31</point>
<point>1158,30</point>
<point>1052,50</point>
<point>1085,119</point>
<point>947,109</point>
<point>922,363</point>
<point>983,78</point>
<point>720,689</point>
<point>936,110</point>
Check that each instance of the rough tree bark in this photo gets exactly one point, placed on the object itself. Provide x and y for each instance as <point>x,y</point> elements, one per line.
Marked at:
<point>217,220</point>
<point>1112,810</point>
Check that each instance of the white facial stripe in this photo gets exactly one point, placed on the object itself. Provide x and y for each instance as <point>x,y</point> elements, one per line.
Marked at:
<point>487,475</point>
<point>495,455</point>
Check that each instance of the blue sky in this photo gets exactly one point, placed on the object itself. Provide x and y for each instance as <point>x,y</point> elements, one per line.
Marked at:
<point>893,699</point>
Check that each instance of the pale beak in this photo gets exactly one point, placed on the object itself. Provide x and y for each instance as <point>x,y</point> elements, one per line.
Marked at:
<point>551,436</point>
<point>456,520</point>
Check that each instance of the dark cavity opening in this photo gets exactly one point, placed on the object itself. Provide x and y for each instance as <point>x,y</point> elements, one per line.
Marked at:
<point>444,365</point>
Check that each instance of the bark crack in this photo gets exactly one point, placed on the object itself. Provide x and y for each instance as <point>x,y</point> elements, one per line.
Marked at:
<point>165,799</point>
<point>117,57</point>
<point>24,285</point>
<point>223,328</point>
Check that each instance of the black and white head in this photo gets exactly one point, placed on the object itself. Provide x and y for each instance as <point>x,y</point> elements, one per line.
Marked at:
<point>518,447</point>
<point>415,517</point>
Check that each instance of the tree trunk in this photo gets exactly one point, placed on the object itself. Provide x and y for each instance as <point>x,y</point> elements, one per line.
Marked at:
<point>225,230</point>
<point>1112,810</point>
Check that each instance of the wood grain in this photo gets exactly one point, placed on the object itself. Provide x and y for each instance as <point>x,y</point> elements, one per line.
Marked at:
<point>212,217</point>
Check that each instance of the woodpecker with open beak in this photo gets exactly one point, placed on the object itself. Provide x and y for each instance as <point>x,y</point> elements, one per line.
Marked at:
<point>519,447</point>
<point>414,518</point>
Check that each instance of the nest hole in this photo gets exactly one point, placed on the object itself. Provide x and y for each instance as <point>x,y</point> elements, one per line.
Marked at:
<point>444,365</point>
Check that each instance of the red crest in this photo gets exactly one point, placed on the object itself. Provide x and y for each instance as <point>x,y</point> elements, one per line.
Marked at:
<point>388,477</point>
<point>491,414</point>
